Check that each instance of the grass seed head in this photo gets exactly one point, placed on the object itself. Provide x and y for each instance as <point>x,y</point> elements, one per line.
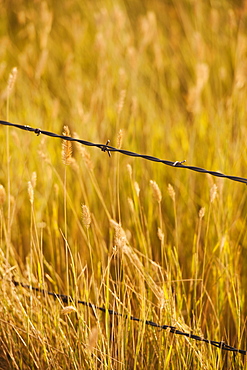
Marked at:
<point>129,169</point>
<point>66,147</point>
<point>120,238</point>
<point>2,195</point>
<point>86,216</point>
<point>34,179</point>
<point>84,153</point>
<point>120,139</point>
<point>202,213</point>
<point>213,193</point>
<point>171,192</point>
<point>92,339</point>
<point>137,188</point>
<point>160,235</point>
<point>12,79</point>
<point>131,205</point>
<point>87,158</point>
<point>68,309</point>
<point>156,191</point>
<point>121,101</point>
<point>30,192</point>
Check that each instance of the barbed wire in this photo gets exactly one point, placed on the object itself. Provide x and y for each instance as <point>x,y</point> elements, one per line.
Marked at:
<point>172,329</point>
<point>178,164</point>
<point>107,148</point>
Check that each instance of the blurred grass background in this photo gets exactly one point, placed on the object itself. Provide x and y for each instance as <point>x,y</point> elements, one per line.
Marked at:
<point>165,78</point>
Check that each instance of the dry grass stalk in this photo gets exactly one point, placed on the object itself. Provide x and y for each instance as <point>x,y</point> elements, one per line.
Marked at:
<point>144,273</point>
<point>213,298</point>
<point>121,243</point>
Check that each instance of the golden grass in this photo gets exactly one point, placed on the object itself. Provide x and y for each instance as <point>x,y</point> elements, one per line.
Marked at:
<point>164,244</point>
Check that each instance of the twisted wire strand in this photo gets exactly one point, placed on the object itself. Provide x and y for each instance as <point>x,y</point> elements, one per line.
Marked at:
<point>107,148</point>
<point>67,299</point>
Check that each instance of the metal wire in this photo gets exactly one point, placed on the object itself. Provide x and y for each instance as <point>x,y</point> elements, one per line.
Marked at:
<point>172,329</point>
<point>178,164</point>
<point>107,148</point>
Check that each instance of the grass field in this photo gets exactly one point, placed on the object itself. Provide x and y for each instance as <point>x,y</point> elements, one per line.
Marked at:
<point>163,78</point>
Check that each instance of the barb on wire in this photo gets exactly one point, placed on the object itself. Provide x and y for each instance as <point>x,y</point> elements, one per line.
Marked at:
<point>178,164</point>
<point>104,148</point>
<point>107,148</point>
<point>67,299</point>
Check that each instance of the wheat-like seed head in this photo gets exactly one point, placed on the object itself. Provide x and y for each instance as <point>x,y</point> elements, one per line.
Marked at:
<point>12,79</point>
<point>129,169</point>
<point>30,191</point>
<point>92,339</point>
<point>87,158</point>
<point>42,150</point>
<point>34,179</point>
<point>160,235</point>
<point>156,191</point>
<point>75,165</point>
<point>2,195</point>
<point>66,147</point>
<point>202,213</point>
<point>122,77</point>
<point>84,153</point>
<point>120,238</point>
<point>149,28</point>
<point>137,188</point>
<point>171,192</point>
<point>120,139</point>
<point>194,95</point>
<point>121,101</point>
<point>213,193</point>
<point>131,205</point>
<point>68,309</point>
<point>86,216</point>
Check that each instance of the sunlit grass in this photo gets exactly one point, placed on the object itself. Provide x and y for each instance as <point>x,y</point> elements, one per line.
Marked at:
<point>164,244</point>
